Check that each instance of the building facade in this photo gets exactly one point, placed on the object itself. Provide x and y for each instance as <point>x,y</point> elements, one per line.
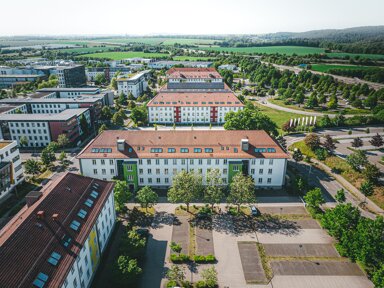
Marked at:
<point>9,81</point>
<point>108,72</point>
<point>153,157</point>
<point>11,170</point>
<point>67,227</point>
<point>193,96</point>
<point>136,84</point>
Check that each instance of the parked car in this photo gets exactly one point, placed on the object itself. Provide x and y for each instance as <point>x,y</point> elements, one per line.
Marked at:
<point>255,211</point>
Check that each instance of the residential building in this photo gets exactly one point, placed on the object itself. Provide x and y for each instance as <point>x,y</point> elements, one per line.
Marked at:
<point>136,84</point>
<point>41,129</point>
<point>169,64</point>
<point>11,170</point>
<point>108,72</point>
<point>148,157</point>
<point>193,96</point>
<point>59,237</point>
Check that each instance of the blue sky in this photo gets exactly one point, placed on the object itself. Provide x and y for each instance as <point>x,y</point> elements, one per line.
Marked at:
<point>143,17</point>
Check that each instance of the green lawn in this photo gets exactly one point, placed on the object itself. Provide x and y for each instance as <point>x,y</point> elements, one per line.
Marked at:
<point>279,117</point>
<point>327,67</point>
<point>289,50</point>
<point>124,55</point>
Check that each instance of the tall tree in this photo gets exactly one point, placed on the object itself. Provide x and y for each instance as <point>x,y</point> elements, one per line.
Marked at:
<point>242,190</point>
<point>62,140</point>
<point>214,192</point>
<point>121,194</point>
<point>186,187</point>
<point>47,157</point>
<point>32,167</point>
<point>146,196</point>
<point>314,198</point>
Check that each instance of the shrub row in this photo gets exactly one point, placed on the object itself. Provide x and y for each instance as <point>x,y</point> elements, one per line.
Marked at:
<point>180,258</point>
<point>204,259</point>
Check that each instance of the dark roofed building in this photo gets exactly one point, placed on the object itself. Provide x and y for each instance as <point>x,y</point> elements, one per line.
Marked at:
<point>58,239</point>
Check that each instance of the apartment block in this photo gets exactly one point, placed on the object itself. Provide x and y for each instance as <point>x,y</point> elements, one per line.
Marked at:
<point>58,239</point>
<point>136,84</point>
<point>147,157</point>
<point>11,170</point>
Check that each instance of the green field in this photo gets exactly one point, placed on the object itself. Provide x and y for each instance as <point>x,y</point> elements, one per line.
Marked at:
<point>85,50</point>
<point>353,55</point>
<point>326,67</point>
<point>289,50</point>
<point>279,117</point>
<point>156,41</point>
<point>125,55</point>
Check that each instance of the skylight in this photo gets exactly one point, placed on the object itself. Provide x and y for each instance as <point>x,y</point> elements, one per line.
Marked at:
<point>89,203</point>
<point>40,280</point>
<point>82,213</point>
<point>75,225</point>
<point>54,259</point>
<point>94,194</point>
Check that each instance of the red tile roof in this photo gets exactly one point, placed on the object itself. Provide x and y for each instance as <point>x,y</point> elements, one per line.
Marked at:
<point>167,99</point>
<point>222,142</point>
<point>193,73</point>
<point>27,242</point>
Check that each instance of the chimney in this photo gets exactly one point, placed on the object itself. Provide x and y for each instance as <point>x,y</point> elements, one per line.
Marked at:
<point>40,214</point>
<point>32,197</point>
<point>55,217</point>
<point>244,144</point>
<point>120,145</point>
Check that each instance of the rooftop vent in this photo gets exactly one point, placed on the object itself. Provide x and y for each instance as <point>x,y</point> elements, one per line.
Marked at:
<point>40,214</point>
<point>32,197</point>
<point>120,145</point>
<point>55,217</point>
<point>244,144</point>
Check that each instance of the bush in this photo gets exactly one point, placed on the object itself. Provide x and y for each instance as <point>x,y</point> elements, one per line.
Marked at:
<point>180,258</point>
<point>204,259</point>
<point>175,247</point>
<point>171,284</point>
<point>321,154</point>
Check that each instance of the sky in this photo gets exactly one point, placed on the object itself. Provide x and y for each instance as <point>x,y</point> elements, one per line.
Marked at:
<point>147,17</point>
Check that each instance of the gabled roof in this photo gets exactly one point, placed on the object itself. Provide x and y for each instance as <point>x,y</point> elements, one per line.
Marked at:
<point>27,242</point>
<point>222,142</point>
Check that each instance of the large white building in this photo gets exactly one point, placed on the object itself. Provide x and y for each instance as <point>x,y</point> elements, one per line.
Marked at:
<point>193,96</point>
<point>57,240</point>
<point>136,84</point>
<point>148,157</point>
<point>11,170</point>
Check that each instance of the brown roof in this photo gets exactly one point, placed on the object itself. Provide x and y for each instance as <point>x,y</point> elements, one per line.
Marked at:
<point>215,139</point>
<point>193,73</point>
<point>167,99</point>
<point>27,242</point>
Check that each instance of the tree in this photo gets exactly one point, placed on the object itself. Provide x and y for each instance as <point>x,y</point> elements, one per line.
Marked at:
<point>128,270</point>
<point>114,83</point>
<point>106,113</point>
<point>332,104</point>
<point>242,190</point>
<point>139,114</point>
<point>249,119</point>
<point>301,184</point>
<point>117,119</point>
<point>23,141</point>
<point>297,155</point>
<point>84,125</point>
<point>357,159</point>
<point>53,146</point>
<point>214,192</point>
<point>176,273</point>
<point>122,100</point>
<point>121,194</point>
<point>186,187</point>
<point>133,244</point>
<point>371,173</point>
<point>312,141</point>
<point>314,198</point>
<point>146,196</point>
<point>131,97</point>
<point>378,277</point>
<point>62,140</point>
<point>366,188</point>
<point>340,195</point>
<point>32,167</point>
<point>357,142</point>
<point>100,79</point>
<point>47,157</point>
<point>62,157</point>
<point>209,276</point>
<point>377,140</point>
<point>329,144</point>
<point>102,128</point>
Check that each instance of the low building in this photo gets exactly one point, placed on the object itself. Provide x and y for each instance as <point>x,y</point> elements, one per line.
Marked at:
<point>136,84</point>
<point>195,79</point>
<point>9,81</point>
<point>58,239</point>
<point>11,170</point>
<point>41,129</point>
<point>169,64</point>
<point>108,72</point>
<point>148,157</point>
<point>229,67</point>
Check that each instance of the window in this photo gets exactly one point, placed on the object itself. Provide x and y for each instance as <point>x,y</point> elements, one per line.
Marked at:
<point>209,162</point>
<point>182,161</point>
<point>111,162</point>
<point>235,167</point>
<point>158,180</point>
<point>225,171</point>
<point>140,171</point>
<point>102,162</point>
<point>166,180</point>
<point>112,171</point>
<point>148,161</point>
<point>261,161</point>
<point>208,150</point>
<point>149,180</point>
<point>197,150</point>
<point>141,180</point>
<point>156,150</point>
<point>93,162</point>
<point>261,171</point>
<point>217,161</point>
<point>184,150</point>
<point>95,171</point>
<point>171,150</point>
<point>270,161</point>
<point>130,178</point>
<point>260,180</point>
<point>149,171</point>
<point>269,180</point>
<point>269,171</point>
<point>235,150</point>
<point>157,162</point>
<point>166,171</point>
<point>130,167</point>
<point>157,171</point>
<point>252,171</point>
<point>191,161</point>
<point>103,171</point>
